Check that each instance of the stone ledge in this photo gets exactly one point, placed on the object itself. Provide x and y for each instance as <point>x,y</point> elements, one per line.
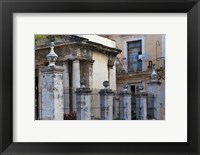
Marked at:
<point>154,82</point>
<point>123,93</point>
<point>142,94</point>
<point>52,69</point>
<point>80,41</point>
<point>83,91</point>
<point>130,74</point>
<point>106,91</point>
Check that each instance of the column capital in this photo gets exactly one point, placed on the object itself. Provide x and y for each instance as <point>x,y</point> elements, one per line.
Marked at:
<point>91,62</point>
<point>66,61</point>
<point>111,60</point>
<point>76,60</point>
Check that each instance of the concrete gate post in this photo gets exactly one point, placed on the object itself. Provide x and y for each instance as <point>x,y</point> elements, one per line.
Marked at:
<point>154,88</point>
<point>141,106</point>
<point>83,102</point>
<point>125,104</point>
<point>116,106</point>
<point>106,102</point>
<point>52,89</point>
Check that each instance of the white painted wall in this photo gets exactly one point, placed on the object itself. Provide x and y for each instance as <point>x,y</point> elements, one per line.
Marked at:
<point>100,40</point>
<point>100,70</point>
<point>100,74</point>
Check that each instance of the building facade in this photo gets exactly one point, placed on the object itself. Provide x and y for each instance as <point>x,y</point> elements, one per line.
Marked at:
<point>81,57</point>
<point>130,67</point>
<point>134,64</point>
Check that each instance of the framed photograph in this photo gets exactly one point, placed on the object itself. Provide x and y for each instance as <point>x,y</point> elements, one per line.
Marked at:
<point>99,77</point>
<point>86,90</point>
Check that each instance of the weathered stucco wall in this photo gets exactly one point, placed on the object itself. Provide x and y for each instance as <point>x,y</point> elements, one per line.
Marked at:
<point>100,74</point>
<point>149,46</point>
<point>100,70</point>
<point>100,40</point>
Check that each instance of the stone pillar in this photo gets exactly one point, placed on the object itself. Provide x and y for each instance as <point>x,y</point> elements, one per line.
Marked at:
<point>66,87</point>
<point>125,104</point>
<point>111,72</point>
<point>83,102</point>
<point>116,106</point>
<point>106,102</point>
<point>75,80</point>
<point>52,93</point>
<point>52,89</point>
<point>141,106</point>
<point>155,89</point>
<point>150,106</point>
<point>39,93</point>
<point>91,75</point>
<point>112,78</point>
<point>93,104</point>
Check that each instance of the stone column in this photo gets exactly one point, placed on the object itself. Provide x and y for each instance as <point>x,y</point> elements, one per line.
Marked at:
<point>111,72</point>
<point>66,87</point>
<point>91,75</point>
<point>83,102</point>
<point>39,93</point>
<point>112,78</point>
<point>106,102</point>
<point>75,80</point>
<point>125,104</point>
<point>116,106</point>
<point>155,89</point>
<point>141,106</point>
<point>93,104</point>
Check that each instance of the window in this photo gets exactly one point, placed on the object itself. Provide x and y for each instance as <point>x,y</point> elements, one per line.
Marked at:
<point>134,88</point>
<point>134,50</point>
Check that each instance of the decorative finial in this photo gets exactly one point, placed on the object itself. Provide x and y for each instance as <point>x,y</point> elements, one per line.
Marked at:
<point>154,76</point>
<point>106,84</point>
<point>52,56</point>
<point>83,82</point>
<point>125,87</point>
<point>141,87</point>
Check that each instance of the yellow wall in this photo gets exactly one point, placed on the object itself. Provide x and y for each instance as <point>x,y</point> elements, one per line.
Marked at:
<point>150,48</point>
<point>149,42</point>
<point>100,70</point>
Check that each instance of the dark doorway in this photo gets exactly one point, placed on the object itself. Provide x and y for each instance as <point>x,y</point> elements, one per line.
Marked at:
<point>133,102</point>
<point>70,86</point>
<point>133,89</point>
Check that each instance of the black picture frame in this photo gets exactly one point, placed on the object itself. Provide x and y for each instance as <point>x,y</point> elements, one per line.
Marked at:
<point>8,7</point>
